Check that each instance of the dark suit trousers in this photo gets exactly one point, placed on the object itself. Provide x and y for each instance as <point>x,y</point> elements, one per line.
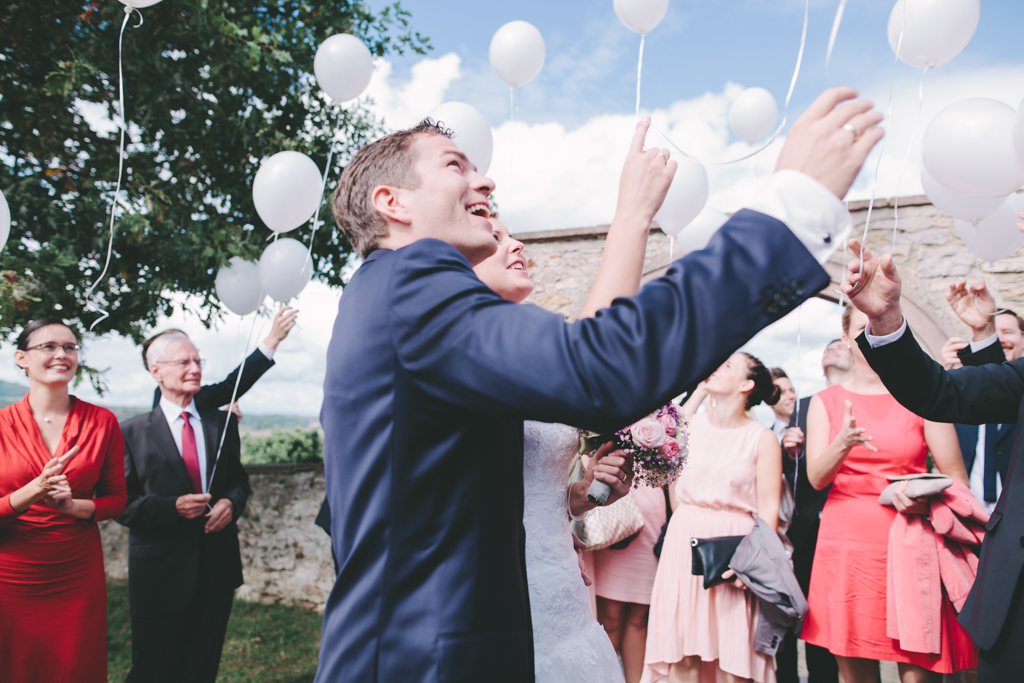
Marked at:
<point>821,664</point>
<point>1005,661</point>
<point>184,647</point>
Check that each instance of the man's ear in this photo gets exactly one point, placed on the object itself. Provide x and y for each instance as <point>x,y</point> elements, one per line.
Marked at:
<point>387,200</point>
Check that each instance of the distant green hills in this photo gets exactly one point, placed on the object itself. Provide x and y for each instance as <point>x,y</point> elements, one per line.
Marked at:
<point>12,393</point>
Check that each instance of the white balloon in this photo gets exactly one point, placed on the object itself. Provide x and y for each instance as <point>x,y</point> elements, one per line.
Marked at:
<point>752,114</point>
<point>238,286</point>
<point>343,67</point>
<point>286,190</point>
<point>5,220</point>
<point>997,236</point>
<point>285,269</point>
<point>517,53</point>
<point>699,232</point>
<point>967,148</point>
<point>966,207</point>
<point>471,131</point>
<point>685,199</point>
<point>641,15</point>
<point>139,4</point>
<point>1018,134</point>
<point>934,31</point>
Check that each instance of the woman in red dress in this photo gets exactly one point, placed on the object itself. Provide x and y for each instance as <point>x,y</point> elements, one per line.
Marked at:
<point>857,435</point>
<point>53,595</point>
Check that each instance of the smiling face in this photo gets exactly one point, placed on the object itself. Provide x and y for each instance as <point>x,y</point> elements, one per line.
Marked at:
<point>787,399</point>
<point>45,366</point>
<point>1010,336</point>
<point>505,271</point>
<point>731,377</point>
<point>449,202</point>
<point>179,380</point>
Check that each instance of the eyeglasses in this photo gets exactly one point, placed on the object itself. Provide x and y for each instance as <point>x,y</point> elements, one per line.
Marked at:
<point>201,362</point>
<point>51,348</point>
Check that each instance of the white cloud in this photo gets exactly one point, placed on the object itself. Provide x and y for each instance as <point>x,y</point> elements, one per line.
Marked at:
<point>403,105</point>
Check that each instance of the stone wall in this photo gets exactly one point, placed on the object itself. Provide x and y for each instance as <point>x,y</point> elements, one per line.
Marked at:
<point>285,557</point>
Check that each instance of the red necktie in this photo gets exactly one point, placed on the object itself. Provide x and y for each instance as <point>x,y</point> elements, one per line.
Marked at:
<point>189,453</point>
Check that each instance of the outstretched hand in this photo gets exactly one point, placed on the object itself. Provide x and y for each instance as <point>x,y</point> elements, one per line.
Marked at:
<point>284,321</point>
<point>820,146</point>
<point>851,435</point>
<point>646,177</point>
<point>875,291</point>
<point>974,306</point>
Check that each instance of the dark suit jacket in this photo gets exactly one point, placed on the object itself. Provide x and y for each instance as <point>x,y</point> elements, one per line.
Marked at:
<point>803,529</point>
<point>430,375</point>
<point>163,548</point>
<point>997,455</point>
<point>990,393</point>
<point>219,394</point>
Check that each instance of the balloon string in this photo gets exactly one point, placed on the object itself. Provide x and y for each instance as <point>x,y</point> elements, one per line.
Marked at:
<point>671,249</point>
<point>511,104</point>
<point>835,32</point>
<point>123,125</point>
<point>846,246</point>
<point>906,158</point>
<point>234,395</point>
<point>639,72</point>
<point>799,367</point>
<point>785,109</point>
<point>323,188</point>
<point>881,148</point>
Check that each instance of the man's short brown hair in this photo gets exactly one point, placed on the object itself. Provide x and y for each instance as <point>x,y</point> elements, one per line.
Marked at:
<point>388,161</point>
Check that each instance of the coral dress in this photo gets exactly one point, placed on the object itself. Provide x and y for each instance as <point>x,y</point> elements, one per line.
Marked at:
<point>627,575</point>
<point>716,496</point>
<point>848,579</point>
<point>53,593</point>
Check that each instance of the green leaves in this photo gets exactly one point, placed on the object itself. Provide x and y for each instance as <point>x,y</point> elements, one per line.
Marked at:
<point>211,88</point>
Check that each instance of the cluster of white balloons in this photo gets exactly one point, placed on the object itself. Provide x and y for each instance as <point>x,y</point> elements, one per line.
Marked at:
<point>973,153</point>
<point>288,189</point>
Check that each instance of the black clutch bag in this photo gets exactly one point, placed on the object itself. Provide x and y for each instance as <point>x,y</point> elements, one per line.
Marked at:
<point>711,557</point>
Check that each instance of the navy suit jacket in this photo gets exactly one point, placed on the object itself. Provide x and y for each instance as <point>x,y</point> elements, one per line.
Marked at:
<point>808,501</point>
<point>430,375</point>
<point>990,393</point>
<point>998,437</point>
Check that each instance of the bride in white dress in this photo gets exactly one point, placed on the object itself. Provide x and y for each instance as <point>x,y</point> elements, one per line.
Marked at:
<point>570,646</point>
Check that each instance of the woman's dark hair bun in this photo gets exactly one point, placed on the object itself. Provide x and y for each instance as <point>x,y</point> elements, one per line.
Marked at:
<point>764,386</point>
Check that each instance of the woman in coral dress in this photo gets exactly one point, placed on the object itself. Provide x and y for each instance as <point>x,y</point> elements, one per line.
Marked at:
<point>857,435</point>
<point>734,472</point>
<point>53,606</point>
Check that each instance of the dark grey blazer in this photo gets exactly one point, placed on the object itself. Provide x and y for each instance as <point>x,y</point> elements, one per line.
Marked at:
<point>990,393</point>
<point>163,548</point>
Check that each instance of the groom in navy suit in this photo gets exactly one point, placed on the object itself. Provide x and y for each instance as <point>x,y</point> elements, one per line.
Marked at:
<point>430,376</point>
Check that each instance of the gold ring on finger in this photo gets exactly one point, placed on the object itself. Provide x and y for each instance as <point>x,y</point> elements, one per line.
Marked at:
<point>853,129</point>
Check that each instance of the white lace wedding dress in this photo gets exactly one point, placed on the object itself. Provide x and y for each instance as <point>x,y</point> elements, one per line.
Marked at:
<point>569,645</point>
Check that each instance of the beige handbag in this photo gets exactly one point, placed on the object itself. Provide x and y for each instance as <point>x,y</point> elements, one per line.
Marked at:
<point>614,525</point>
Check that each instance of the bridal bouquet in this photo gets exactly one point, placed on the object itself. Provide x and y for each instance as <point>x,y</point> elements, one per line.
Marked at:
<point>658,444</point>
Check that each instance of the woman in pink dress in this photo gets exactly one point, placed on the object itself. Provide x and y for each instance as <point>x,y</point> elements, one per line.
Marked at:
<point>623,581</point>
<point>857,435</point>
<point>735,472</point>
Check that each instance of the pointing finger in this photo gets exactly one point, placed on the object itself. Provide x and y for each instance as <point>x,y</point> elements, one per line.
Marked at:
<point>637,146</point>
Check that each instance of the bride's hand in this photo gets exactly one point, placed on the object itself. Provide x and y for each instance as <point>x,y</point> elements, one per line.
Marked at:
<point>614,468</point>
<point>580,546</point>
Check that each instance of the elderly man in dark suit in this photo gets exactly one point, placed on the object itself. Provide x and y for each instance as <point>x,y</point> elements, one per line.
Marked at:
<point>430,375</point>
<point>990,393</point>
<point>183,501</point>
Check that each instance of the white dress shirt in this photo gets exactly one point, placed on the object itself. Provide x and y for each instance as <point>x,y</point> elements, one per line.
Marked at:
<point>780,427</point>
<point>176,422</point>
<point>810,210</point>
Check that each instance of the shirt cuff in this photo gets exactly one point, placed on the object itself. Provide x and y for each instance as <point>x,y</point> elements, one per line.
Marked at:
<point>809,209</point>
<point>266,351</point>
<point>984,343</point>
<point>875,342</point>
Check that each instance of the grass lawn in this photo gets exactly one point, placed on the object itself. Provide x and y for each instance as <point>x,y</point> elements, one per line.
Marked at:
<point>265,643</point>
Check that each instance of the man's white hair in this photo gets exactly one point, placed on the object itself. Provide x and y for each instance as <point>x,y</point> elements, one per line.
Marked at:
<point>158,349</point>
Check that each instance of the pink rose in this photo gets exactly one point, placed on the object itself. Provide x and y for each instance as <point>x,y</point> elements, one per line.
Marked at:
<point>670,450</point>
<point>648,433</point>
<point>669,423</point>
<point>683,439</point>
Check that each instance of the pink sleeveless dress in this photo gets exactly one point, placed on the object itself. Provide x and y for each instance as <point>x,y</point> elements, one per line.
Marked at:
<point>716,496</point>
<point>848,580</point>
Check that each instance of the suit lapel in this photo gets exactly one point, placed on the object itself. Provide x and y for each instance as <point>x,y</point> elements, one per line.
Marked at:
<point>160,432</point>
